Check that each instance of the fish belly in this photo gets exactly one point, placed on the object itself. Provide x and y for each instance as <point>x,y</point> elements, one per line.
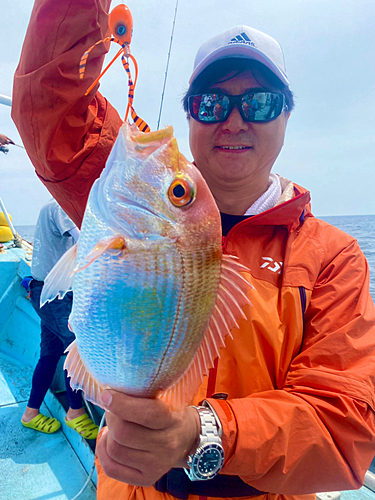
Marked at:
<point>139,320</point>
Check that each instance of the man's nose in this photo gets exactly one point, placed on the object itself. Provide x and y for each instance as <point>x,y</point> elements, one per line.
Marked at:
<point>234,122</point>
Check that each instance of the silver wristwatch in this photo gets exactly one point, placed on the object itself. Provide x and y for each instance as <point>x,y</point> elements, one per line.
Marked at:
<point>208,459</point>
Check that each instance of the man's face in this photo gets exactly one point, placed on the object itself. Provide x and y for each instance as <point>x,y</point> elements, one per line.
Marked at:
<point>234,151</point>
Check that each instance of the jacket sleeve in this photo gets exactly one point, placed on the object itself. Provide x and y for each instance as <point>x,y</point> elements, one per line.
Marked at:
<point>317,432</point>
<point>67,136</point>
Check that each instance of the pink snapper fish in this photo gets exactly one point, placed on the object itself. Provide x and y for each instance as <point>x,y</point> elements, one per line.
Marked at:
<point>153,295</point>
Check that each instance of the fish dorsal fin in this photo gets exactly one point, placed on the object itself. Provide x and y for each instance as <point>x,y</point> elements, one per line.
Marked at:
<point>80,377</point>
<point>231,297</point>
<point>59,280</point>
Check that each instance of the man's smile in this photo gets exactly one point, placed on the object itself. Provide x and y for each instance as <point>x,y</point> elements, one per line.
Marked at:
<point>233,148</point>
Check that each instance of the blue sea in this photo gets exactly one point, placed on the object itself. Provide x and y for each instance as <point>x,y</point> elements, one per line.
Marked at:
<point>362,227</point>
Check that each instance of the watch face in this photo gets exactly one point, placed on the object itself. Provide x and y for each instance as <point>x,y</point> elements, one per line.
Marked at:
<point>208,461</point>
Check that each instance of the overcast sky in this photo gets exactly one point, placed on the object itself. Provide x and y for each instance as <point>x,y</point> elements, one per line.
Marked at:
<point>329,48</point>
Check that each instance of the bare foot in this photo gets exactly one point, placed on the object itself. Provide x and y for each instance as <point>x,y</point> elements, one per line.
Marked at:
<point>75,413</point>
<point>29,414</point>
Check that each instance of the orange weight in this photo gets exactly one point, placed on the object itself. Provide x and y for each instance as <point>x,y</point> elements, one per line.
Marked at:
<point>120,23</point>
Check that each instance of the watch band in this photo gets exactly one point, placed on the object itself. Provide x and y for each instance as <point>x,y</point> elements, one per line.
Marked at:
<point>209,445</point>
<point>207,404</point>
<point>209,428</point>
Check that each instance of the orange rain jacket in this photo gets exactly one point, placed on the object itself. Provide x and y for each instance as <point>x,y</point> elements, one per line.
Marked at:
<point>300,371</point>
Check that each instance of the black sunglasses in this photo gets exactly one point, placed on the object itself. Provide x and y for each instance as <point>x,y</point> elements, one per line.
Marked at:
<point>257,106</point>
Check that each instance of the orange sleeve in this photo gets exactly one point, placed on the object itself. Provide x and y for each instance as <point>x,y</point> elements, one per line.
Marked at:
<point>317,432</point>
<point>67,136</point>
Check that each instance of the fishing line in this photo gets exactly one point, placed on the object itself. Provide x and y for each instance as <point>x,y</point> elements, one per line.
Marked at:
<point>101,425</point>
<point>166,70</point>
<point>161,107</point>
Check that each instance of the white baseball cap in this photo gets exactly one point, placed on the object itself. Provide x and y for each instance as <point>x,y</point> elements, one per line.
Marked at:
<point>242,42</point>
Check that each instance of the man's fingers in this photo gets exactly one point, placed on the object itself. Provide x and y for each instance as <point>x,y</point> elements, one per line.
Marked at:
<point>145,439</point>
<point>113,467</point>
<point>132,435</point>
<point>151,413</point>
<point>129,457</point>
<point>5,140</point>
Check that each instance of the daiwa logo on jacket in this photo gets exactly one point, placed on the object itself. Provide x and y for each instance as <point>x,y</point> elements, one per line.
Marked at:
<point>272,265</point>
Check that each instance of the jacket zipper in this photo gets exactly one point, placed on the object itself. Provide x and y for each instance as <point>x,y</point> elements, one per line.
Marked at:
<point>302,294</point>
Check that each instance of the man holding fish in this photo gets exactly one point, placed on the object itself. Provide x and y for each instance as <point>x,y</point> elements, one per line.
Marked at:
<point>288,408</point>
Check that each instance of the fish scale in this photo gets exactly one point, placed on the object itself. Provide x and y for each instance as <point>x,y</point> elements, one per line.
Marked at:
<point>146,302</point>
<point>153,296</point>
<point>195,307</point>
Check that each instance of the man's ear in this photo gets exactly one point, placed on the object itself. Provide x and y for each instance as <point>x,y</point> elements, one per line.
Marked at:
<point>287,115</point>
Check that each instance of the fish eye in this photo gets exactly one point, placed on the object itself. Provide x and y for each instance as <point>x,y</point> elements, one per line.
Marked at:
<point>181,192</point>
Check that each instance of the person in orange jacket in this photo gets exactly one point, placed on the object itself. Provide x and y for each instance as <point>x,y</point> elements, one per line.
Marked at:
<point>288,409</point>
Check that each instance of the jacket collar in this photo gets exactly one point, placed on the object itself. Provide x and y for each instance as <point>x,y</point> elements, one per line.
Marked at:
<point>290,212</point>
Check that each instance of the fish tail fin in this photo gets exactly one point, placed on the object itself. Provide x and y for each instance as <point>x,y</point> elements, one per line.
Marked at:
<point>80,377</point>
<point>232,296</point>
<point>59,280</point>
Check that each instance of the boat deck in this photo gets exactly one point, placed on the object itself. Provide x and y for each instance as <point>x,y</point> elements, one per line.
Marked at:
<point>33,465</point>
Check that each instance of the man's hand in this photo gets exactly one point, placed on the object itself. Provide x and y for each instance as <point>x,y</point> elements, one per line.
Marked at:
<point>4,140</point>
<point>145,438</point>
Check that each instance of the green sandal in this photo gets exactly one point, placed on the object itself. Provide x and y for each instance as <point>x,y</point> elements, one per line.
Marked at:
<point>41,423</point>
<point>84,426</point>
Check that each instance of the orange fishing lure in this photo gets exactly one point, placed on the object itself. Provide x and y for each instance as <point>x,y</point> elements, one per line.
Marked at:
<point>120,23</point>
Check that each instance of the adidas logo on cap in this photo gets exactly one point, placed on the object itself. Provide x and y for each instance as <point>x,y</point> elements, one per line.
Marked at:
<point>241,42</point>
<point>242,38</point>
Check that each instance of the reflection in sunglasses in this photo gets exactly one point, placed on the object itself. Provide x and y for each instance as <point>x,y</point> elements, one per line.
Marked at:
<point>253,107</point>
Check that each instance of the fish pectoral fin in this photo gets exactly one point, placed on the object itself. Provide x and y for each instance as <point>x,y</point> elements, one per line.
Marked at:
<point>231,297</point>
<point>116,242</point>
<point>80,377</point>
<point>59,280</point>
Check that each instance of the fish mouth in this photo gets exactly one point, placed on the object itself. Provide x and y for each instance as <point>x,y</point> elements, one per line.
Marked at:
<point>161,135</point>
<point>146,143</point>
